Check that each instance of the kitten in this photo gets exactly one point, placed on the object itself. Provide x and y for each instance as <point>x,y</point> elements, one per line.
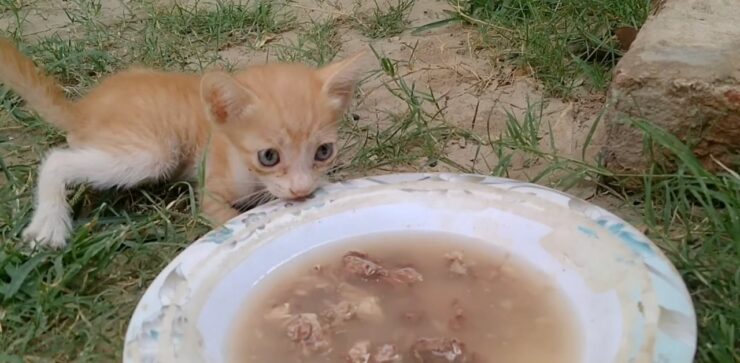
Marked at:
<point>270,126</point>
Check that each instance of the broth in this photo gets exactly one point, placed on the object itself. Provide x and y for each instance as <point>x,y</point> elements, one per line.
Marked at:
<point>403,297</point>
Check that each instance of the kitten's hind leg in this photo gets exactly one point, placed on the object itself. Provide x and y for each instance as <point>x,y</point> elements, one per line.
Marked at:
<point>51,222</point>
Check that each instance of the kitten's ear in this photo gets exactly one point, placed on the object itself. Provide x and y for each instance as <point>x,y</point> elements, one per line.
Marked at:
<point>340,78</point>
<point>225,99</point>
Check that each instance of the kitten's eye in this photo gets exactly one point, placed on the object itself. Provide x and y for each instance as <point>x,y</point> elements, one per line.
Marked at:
<point>324,152</point>
<point>268,157</point>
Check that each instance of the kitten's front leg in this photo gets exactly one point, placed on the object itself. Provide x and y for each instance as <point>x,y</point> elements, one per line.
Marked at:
<point>216,207</point>
<point>51,222</point>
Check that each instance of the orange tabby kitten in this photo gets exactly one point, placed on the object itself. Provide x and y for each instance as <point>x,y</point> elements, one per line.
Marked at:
<point>271,126</point>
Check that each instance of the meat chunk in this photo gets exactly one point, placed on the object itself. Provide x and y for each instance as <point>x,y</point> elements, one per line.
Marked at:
<point>338,313</point>
<point>404,276</point>
<point>456,264</point>
<point>366,306</point>
<point>359,353</point>
<point>361,265</point>
<point>457,320</point>
<point>369,309</point>
<point>438,350</point>
<point>386,353</point>
<point>305,329</point>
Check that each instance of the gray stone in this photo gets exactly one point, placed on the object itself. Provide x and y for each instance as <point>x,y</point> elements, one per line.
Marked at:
<point>682,73</point>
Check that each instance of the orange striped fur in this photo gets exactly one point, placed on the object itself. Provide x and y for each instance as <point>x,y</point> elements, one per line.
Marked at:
<point>144,125</point>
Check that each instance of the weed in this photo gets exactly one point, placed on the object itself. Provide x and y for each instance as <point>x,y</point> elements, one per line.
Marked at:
<point>690,213</point>
<point>74,305</point>
<point>85,12</point>
<point>316,45</point>
<point>15,9</point>
<point>413,136</point>
<point>225,24</point>
<point>72,61</point>
<point>383,22</point>
<point>695,216</point>
<point>568,43</point>
<point>10,6</point>
<point>175,37</point>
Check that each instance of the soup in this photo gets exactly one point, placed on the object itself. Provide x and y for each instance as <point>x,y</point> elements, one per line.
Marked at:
<point>412,298</point>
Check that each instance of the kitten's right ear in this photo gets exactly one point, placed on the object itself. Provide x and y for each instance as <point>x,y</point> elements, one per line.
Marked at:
<point>340,78</point>
<point>225,99</point>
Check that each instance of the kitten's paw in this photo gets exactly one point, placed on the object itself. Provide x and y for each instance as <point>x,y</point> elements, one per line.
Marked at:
<point>48,228</point>
<point>221,216</point>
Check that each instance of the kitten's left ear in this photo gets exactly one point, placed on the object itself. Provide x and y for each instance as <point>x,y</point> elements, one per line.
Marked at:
<point>340,78</point>
<point>224,97</point>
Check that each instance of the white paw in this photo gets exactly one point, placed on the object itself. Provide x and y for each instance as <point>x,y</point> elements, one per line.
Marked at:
<point>49,227</point>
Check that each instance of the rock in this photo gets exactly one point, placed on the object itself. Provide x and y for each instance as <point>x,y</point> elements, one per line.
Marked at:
<point>682,73</point>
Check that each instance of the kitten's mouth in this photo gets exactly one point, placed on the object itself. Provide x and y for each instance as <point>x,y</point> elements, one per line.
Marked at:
<point>301,198</point>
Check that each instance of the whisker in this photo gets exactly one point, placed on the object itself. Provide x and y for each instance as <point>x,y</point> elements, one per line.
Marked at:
<point>250,196</point>
<point>265,198</point>
<point>254,199</point>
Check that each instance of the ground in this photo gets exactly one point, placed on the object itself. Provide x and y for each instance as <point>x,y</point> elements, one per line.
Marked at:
<point>456,87</point>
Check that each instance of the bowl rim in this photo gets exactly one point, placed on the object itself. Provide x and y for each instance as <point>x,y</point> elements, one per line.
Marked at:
<point>667,348</point>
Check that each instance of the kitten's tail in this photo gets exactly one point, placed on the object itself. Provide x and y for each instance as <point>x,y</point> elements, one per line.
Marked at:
<point>42,93</point>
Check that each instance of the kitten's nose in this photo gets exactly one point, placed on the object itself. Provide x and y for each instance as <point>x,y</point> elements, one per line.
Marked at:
<point>300,193</point>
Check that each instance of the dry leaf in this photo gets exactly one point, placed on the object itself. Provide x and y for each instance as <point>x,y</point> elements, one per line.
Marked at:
<point>264,40</point>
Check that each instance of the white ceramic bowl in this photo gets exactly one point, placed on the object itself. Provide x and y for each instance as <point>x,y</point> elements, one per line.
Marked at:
<point>630,303</point>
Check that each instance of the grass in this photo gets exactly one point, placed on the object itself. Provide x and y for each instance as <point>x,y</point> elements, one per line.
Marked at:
<point>317,44</point>
<point>413,136</point>
<point>695,216</point>
<point>384,20</point>
<point>185,37</point>
<point>224,25</point>
<point>73,305</point>
<point>569,44</point>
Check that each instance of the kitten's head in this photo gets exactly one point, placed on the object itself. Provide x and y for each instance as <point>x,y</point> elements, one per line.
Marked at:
<point>282,119</point>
